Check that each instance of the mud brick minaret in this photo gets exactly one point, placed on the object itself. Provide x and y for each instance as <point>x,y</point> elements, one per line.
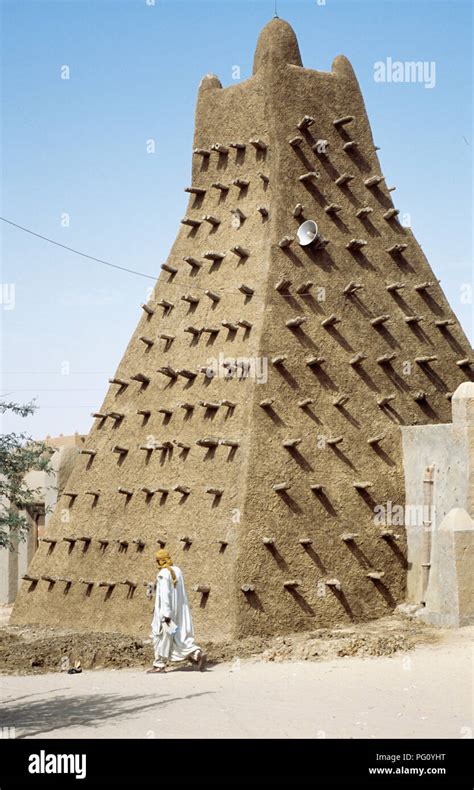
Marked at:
<point>264,492</point>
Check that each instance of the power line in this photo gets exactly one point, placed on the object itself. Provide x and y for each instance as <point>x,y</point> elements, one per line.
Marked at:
<point>171,281</point>
<point>77,252</point>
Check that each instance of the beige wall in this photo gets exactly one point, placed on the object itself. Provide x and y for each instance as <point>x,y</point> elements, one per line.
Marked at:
<point>13,564</point>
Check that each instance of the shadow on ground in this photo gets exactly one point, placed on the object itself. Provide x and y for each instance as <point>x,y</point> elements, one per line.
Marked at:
<point>33,717</point>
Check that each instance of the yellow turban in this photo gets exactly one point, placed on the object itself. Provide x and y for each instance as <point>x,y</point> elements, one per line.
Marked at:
<point>164,561</point>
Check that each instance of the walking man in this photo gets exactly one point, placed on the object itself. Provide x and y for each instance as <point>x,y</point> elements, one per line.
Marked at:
<point>172,626</point>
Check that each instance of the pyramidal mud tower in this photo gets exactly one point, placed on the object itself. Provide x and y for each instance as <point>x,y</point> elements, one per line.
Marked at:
<point>253,424</point>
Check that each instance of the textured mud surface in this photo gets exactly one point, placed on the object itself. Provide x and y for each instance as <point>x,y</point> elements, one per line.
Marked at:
<point>35,650</point>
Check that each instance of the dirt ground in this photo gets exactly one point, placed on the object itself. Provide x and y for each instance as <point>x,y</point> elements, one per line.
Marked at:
<point>424,692</point>
<point>38,650</point>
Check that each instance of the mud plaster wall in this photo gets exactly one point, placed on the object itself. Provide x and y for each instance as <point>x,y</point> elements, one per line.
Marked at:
<point>450,448</point>
<point>267,106</point>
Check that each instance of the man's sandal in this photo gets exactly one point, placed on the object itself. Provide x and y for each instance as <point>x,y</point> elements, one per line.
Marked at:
<point>155,670</point>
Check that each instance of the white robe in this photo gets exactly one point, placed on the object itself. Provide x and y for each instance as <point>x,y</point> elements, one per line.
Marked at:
<point>171,601</point>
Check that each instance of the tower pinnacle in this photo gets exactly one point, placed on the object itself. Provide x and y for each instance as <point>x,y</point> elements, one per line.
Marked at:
<point>277,41</point>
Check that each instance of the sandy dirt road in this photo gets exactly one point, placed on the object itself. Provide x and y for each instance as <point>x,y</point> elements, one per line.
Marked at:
<point>424,693</point>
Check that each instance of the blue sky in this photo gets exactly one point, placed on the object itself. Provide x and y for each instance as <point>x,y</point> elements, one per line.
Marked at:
<point>78,147</point>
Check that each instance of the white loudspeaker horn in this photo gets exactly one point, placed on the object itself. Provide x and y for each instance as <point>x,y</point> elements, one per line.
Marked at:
<point>307,232</point>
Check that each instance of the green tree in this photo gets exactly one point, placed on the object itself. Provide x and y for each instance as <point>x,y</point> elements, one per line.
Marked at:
<point>19,454</point>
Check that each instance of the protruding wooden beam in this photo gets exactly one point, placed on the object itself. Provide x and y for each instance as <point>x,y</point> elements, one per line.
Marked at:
<point>259,144</point>
<point>283,285</point>
<point>213,295</point>
<point>444,322</point>
<point>220,186</point>
<point>391,214</point>
<point>281,487</point>
<point>385,359</point>
<point>343,121</point>
<point>312,175</point>
<point>373,181</point>
<point>168,268</point>
<point>379,319</point>
<point>315,362</point>
<point>212,220</point>
<point>344,178</point>
<point>332,442</point>
<point>305,287</point>
<point>120,382</point>
<point>364,211</point>
<point>376,439</point>
<point>294,323</point>
<point>147,341</point>
<point>352,288</point>
<point>220,148</point>
<point>385,400</point>
<point>193,223</point>
<point>395,286</point>
<point>140,377</point>
<point>166,304</point>
<point>213,255</point>
<point>186,374</point>
<point>333,208</point>
<point>286,241</point>
<point>296,142</point>
<point>356,244</point>
<point>395,249</point>
<point>195,190</point>
<point>180,489</point>
<point>305,122</point>
<point>331,320</point>
<point>216,492</point>
<point>233,327</point>
<point>357,358</point>
<point>168,371</point>
<point>241,183</point>
<point>420,396</point>
<point>208,441</point>
<point>349,537</point>
<point>341,400</point>
<point>209,404</point>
